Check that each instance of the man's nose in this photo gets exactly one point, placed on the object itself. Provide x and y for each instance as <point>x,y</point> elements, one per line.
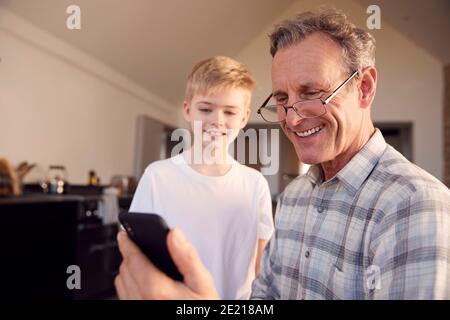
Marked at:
<point>292,118</point>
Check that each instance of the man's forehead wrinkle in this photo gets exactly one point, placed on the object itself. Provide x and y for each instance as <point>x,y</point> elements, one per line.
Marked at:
<point>299,68</point>
<point>301,85</point>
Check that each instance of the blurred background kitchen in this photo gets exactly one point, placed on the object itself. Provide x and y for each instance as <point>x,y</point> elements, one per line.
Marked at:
<point>83,112</point>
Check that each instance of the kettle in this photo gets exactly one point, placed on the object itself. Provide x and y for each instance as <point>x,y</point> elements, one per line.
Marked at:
<point>56,182</point>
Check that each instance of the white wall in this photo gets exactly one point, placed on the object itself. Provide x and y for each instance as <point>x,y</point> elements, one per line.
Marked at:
<point>410,86</point>
<point>60,106</point>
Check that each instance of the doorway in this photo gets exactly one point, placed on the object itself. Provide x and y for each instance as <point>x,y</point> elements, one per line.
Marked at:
<point>273,143</point>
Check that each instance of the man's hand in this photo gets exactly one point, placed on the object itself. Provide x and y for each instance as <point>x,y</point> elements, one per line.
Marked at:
<point>139,279</point>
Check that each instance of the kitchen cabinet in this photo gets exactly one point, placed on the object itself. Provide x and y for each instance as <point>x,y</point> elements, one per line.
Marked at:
<point>45,234</point>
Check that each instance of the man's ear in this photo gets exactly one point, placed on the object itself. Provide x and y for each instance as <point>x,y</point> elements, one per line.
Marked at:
<point>368,86</point>
<point>186,111</point>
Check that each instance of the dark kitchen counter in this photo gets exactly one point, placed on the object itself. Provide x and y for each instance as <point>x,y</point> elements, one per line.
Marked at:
<point>40,198</point>
<point>43,234</point>
<point>124,201</point>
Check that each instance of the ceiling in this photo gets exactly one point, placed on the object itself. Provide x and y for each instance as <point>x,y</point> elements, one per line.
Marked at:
<point>155,42</point>
<point>425,22</point>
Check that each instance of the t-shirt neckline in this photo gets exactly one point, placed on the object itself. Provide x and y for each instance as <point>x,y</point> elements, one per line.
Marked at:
<point>199,175</point>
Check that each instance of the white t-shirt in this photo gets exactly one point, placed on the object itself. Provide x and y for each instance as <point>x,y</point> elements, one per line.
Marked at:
<point>222,216</point>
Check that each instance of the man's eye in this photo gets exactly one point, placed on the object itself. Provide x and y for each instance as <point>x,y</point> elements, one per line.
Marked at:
<point>281,101</point>
<point>205,110</point>
<point>230,113</point>
<point>315,94</point>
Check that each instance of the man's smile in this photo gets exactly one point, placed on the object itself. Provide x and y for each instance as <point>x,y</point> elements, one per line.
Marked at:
<point>309,132</point>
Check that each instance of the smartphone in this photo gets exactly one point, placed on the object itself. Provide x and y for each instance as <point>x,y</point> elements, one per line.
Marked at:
<point>149,232</point>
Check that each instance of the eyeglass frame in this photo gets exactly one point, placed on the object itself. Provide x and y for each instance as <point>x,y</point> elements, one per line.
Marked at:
<point>324,102</point>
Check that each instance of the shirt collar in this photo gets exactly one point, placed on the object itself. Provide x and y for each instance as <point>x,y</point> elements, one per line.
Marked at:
<point>315,174</point>
<point>357,170</point>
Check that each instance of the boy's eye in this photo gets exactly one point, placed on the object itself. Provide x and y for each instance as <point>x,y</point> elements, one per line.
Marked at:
<point>205,110</point>
<point>230,112</point>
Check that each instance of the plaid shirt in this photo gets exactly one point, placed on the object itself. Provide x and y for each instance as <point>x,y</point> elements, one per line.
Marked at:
<point>379,229</point>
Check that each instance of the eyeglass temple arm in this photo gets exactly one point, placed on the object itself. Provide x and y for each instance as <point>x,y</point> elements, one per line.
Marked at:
<point>265,102</point>
<point>335,92</point>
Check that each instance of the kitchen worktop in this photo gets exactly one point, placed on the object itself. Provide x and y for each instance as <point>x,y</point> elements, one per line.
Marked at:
<point>77,193</point>
<point>39,198</point>
<point>47,233</point>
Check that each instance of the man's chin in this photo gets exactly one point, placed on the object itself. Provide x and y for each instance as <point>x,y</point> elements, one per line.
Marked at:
<point>309,159</point>
<point>310,163</point>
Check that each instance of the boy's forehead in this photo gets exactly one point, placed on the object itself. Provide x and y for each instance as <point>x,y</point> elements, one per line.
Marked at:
<point>222,89</point>
<point>233,96</point>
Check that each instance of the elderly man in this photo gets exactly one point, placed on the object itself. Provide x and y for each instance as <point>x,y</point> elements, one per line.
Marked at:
<point>363,222</point>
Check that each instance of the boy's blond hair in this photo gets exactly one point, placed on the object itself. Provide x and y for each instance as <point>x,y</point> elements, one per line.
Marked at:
<point>216,73</point>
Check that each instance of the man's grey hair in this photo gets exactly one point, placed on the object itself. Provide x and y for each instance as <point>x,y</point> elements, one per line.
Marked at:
<point>358,46</point>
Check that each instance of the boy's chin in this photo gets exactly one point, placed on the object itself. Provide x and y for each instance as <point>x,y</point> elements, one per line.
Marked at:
<point>216,143</point>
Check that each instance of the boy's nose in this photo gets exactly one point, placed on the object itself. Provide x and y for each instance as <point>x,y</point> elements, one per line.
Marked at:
<point>218,118</point>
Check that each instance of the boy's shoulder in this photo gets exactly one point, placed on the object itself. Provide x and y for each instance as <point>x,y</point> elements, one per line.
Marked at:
<point>163,165</point>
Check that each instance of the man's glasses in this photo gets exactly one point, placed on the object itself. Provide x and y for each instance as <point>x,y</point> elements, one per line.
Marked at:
<point>305,109</point>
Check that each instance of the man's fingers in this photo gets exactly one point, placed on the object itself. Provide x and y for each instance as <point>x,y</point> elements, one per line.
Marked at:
<point>126,246</point>
<point>139,278</point>
<point>186,258</point>
<point>135,260</point>
<point>131,287</point>
<point>120,288</point>
<point>139,272</point>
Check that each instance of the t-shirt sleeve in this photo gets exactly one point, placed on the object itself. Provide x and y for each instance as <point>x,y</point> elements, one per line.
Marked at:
<point>265,217</point>
<point>142,199</point>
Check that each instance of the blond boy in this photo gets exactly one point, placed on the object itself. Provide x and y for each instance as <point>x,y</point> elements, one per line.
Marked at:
<point>223,207</point>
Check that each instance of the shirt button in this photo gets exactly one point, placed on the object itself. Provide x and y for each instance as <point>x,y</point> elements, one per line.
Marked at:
<point>307,254</point>
<point>320,209</point>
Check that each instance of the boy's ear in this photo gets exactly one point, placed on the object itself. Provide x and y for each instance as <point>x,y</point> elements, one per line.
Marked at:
<point>186,111</point>
<point>245,117</point>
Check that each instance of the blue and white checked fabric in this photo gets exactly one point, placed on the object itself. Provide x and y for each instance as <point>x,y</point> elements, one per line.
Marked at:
<point>379,229</point>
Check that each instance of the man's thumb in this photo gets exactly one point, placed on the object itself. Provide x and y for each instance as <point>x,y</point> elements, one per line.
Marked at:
<point>186,258</point>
